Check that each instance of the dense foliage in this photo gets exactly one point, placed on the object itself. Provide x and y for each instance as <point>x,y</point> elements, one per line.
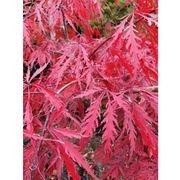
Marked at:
<point>90,89</point>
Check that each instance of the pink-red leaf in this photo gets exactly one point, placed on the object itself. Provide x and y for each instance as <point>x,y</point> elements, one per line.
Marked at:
<point>110,131</point>
<point>90,121</point>
<point>51,96</point>
<point>145,129</point>
<point>66,132</point>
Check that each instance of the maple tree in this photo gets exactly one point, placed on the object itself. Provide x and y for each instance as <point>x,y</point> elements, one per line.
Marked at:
<point>90,89</point>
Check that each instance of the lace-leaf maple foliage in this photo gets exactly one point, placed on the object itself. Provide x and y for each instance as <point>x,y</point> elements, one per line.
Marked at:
<point>90,89</point>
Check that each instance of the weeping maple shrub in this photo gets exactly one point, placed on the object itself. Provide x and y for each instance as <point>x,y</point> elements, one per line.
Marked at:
<point>90,89</point>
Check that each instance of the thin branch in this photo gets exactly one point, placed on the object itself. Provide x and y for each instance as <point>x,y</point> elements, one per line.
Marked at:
<point>57,92</point>
<point>35,161</point>
<point>65,86</point>
<point>25,93</point>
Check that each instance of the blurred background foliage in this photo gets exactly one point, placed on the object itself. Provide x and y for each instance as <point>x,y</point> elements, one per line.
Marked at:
<point>113,12</point>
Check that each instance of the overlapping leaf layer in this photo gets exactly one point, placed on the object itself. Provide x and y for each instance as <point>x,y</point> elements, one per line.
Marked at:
<point>90,89</point>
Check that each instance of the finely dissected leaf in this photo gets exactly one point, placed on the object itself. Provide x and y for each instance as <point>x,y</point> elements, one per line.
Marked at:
<point>77,157</point>
<point>129,126</point>
<point>128,121</point>
<point>110,126</point>
<point>38,11</point>
<point>61,67</point>
<point>153,18</point>
<point>90,121</point>
<point>119,31</point>
<point>132,41</point>
<point>26,34</point>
